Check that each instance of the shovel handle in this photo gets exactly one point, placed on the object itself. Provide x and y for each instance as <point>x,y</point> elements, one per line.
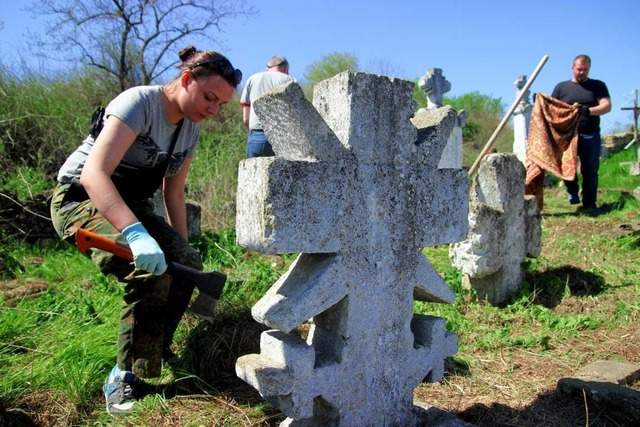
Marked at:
<point>86,240</point>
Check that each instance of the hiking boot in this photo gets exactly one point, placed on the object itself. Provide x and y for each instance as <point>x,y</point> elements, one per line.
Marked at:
<point>118,391</point>
<point>574,199</point>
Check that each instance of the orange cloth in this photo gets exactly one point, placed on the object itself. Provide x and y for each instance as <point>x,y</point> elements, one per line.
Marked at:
<point>552,143</point>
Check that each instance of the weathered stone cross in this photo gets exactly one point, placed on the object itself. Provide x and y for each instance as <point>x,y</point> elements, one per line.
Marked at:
<point>355,188</point>
<point>504,228</point>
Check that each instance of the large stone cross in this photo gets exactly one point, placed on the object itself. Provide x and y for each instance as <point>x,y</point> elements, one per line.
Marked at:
<point>355,188</point>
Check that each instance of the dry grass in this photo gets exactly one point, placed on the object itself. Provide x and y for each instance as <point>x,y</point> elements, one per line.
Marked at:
<point>517,386</point>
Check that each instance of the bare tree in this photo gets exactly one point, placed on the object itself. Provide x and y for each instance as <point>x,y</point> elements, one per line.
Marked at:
<point>132,40</point>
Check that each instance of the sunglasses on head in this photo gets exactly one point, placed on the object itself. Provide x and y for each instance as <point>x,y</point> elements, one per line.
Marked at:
<point>223,67</point>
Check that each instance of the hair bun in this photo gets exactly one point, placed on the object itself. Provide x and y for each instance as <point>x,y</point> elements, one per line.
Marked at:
<point>187,53</point>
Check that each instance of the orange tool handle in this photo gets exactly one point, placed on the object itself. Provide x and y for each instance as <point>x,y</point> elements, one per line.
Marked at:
<point>86,240</point>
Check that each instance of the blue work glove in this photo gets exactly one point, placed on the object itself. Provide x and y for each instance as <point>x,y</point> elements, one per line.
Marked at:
<point>147,254</point>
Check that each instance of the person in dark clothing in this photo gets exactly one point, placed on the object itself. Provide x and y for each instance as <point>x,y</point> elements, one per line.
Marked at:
<point>592,98</point>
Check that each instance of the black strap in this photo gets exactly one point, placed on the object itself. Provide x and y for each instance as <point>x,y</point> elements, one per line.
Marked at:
<point>172,146</point>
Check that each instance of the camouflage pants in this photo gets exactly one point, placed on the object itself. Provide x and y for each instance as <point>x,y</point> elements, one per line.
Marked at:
<point>152,306</point>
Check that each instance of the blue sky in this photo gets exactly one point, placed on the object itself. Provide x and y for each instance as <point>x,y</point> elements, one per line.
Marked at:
<point>480,45</point>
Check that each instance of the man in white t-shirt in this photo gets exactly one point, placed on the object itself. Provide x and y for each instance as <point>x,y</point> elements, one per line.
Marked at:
<point>277,74</point>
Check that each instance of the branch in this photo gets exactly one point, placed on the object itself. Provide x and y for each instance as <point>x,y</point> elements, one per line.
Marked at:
<point>24,208</point>
<point>92,61</point>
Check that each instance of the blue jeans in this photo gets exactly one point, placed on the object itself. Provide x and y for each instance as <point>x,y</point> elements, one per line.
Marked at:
<point>589,153</point>
<point>257,144</point>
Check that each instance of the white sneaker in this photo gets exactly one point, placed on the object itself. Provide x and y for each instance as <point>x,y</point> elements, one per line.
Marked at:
<point>118,391</point>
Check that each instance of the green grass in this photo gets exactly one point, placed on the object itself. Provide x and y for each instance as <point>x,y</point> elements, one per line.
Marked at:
<point>63,342</point>
<point>614,175</point>
<point>530,320</point>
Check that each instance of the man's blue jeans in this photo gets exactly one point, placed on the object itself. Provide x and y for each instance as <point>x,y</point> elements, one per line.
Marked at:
<point>257,144</point>
<point>589,153</point>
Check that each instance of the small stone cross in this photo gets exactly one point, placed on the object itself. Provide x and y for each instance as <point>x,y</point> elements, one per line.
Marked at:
<point>356,189</point>
<point>435,85</point>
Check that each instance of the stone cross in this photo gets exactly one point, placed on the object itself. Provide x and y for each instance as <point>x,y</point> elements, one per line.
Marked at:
<point>521,119</point>
<point>504,227</point>
<point>435,85</point>
<point>355,188</point>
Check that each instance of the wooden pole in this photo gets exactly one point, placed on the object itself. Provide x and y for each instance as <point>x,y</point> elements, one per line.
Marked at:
<point>506,117</point>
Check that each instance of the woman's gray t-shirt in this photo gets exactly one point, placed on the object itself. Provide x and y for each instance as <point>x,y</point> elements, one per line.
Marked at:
<point>142,109</point>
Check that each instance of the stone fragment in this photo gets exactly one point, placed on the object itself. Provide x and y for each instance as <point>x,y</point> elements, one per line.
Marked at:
<point>533,224</point>
<point>610,371</point>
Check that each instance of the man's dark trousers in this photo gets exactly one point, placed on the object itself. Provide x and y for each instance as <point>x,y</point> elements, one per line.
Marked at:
<point>589,153</point>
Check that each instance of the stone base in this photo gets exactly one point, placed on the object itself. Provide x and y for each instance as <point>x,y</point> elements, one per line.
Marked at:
<point>493,288</point>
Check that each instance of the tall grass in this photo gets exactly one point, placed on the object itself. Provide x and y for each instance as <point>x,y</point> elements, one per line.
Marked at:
<point>214,173</point>
<point>42,119</point>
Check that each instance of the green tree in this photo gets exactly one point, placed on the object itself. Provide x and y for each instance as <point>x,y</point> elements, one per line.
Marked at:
<point>326,67</point>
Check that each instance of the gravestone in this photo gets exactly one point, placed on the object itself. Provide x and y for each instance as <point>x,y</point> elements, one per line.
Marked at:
<point>194,213</point>
<point>504,228</point>
<point>355,188</point>
<point>521,119</point>
<point>435,85</point>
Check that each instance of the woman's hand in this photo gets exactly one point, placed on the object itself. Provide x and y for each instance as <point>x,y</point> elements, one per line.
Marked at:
<point>147,254</point>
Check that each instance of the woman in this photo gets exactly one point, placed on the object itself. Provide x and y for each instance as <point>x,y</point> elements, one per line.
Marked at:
<point>148,139</point>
